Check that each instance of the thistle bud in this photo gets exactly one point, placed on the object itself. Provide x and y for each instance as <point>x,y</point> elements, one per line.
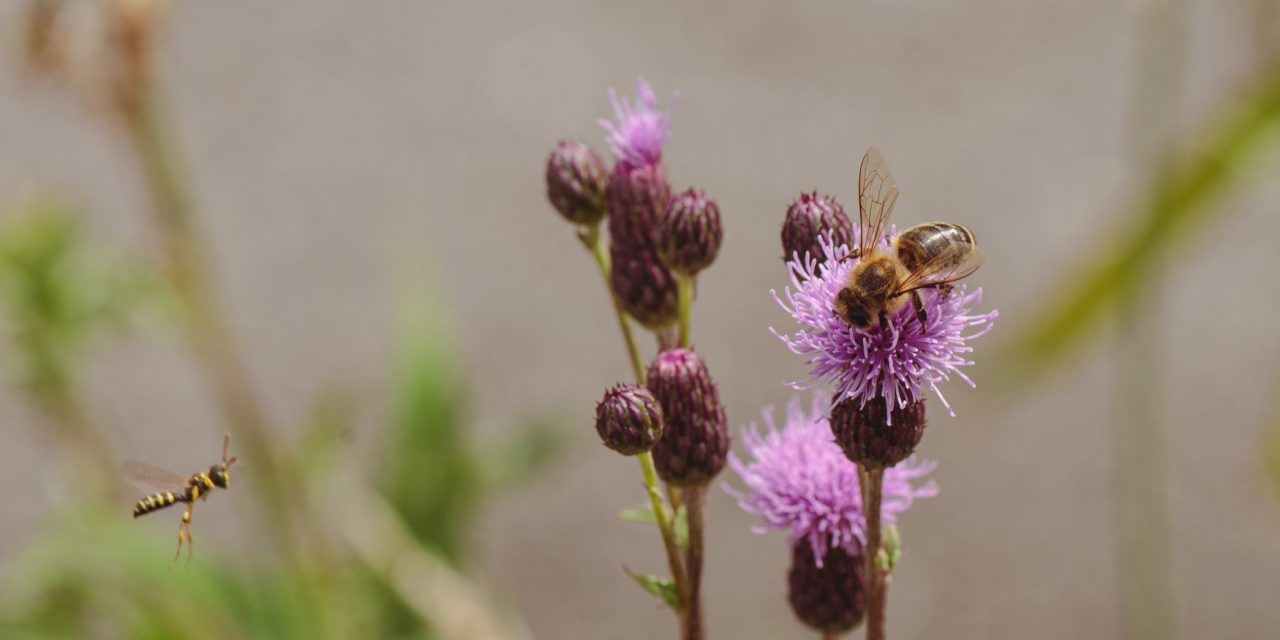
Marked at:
<point>695,442</point>
<point>811,217</point>
<point>689,233</point>
<point>629,419</point>
<point>576,181</point>
<point>874,437</point>
<point>642,284</point>
<point>830,599</point>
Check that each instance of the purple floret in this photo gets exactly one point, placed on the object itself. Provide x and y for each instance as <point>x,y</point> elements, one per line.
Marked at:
<point>640,131</point>
<point>798,479</point>
<point>862,364</point>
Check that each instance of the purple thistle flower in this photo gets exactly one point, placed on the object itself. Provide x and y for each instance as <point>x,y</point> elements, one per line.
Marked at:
<point>798,479</point>
<point>640,131</point>
<point>896,364</point>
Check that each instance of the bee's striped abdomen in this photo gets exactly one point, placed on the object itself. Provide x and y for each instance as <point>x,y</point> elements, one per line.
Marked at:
<point>155,502</point>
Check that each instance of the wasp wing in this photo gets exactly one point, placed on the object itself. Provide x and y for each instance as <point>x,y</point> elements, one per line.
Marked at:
<point>149,475</point>
<point>877,193</point>
<point>954,263</point>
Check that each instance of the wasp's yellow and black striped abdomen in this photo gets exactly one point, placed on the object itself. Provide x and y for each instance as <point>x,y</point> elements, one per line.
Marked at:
<point>158,501</point>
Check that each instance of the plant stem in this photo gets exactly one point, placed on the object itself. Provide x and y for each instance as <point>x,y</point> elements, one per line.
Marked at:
<point>875,581</point>
<point>684,290</point>
<point>210,333</point>
<point>666,525</point>
<point>590,238</point>
<point>693,626</point>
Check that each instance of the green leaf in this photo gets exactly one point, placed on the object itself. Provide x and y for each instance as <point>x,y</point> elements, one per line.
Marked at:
<point>681,525</point>
<point>642,513</point>
<point>429,470</point>
<point>664,588</point>
<point>890,549</point>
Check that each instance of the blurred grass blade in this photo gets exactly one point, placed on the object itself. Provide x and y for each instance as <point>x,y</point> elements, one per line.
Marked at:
<point>429,472</point>
<point>1179,201</point>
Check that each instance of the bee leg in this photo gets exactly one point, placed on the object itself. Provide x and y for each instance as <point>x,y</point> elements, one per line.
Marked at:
<point>884,321</point>
<point>919,305</point>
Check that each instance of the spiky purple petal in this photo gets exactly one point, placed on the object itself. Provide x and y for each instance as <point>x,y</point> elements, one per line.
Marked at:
<point>797,479</point>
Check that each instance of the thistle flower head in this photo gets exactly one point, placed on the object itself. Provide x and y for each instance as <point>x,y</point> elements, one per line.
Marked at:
<point>896,363</point>
<point>695,441</point>
<point>576,180</point>
<point>640,131</point>
<point>809,218</point>
<point>797,479</point>
<point>689,233</point>
<point>629,419</point>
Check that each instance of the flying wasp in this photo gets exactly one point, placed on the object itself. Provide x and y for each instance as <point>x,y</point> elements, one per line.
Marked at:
<point>179,489</point>
<point>931,255</point>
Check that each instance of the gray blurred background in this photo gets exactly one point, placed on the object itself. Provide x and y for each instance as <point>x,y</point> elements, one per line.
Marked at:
<point>341,151</point>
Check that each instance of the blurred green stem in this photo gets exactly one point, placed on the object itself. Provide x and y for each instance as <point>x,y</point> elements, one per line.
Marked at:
<point>1138,435</point>
<point>1177,202</point>
<point>590,238</point>
<point>1141,505</point>
<point>208,329</point>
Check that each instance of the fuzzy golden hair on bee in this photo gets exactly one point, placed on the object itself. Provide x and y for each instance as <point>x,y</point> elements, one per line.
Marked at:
<point>886,275</point>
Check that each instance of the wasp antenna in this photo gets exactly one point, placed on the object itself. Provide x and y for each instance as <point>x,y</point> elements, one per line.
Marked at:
<point>226,444</point>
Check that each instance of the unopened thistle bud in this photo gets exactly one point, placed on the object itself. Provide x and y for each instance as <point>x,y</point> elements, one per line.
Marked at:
<point>874,437</point>
<point>643,286</point>
<point>695,442</point>
<point>689,233</point>
<point>576,180</point>
<point>811,217</point>
<point>629,419</point>
<point>832,598</point>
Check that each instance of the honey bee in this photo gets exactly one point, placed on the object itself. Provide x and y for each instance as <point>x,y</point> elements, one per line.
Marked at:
<point>931,255</point>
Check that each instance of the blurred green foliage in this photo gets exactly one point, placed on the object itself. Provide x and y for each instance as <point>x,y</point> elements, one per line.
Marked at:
<point>57,289</point>
<point>91,571</point>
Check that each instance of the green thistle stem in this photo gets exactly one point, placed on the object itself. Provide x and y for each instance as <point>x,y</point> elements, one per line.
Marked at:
<point>684,289</point>
<point>590,238</point>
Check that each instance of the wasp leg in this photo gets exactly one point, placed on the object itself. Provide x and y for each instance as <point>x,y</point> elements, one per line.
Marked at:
<point>191,545</point>
<point>184,534</point>
<point>919,305</point>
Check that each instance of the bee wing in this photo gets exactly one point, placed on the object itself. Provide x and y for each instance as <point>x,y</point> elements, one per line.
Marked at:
<point>932,273</point>
<point>877,193</point>
<point>149,475</point>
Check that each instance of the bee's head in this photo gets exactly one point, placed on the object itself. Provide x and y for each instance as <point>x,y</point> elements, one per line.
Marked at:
<point>853,308</point>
